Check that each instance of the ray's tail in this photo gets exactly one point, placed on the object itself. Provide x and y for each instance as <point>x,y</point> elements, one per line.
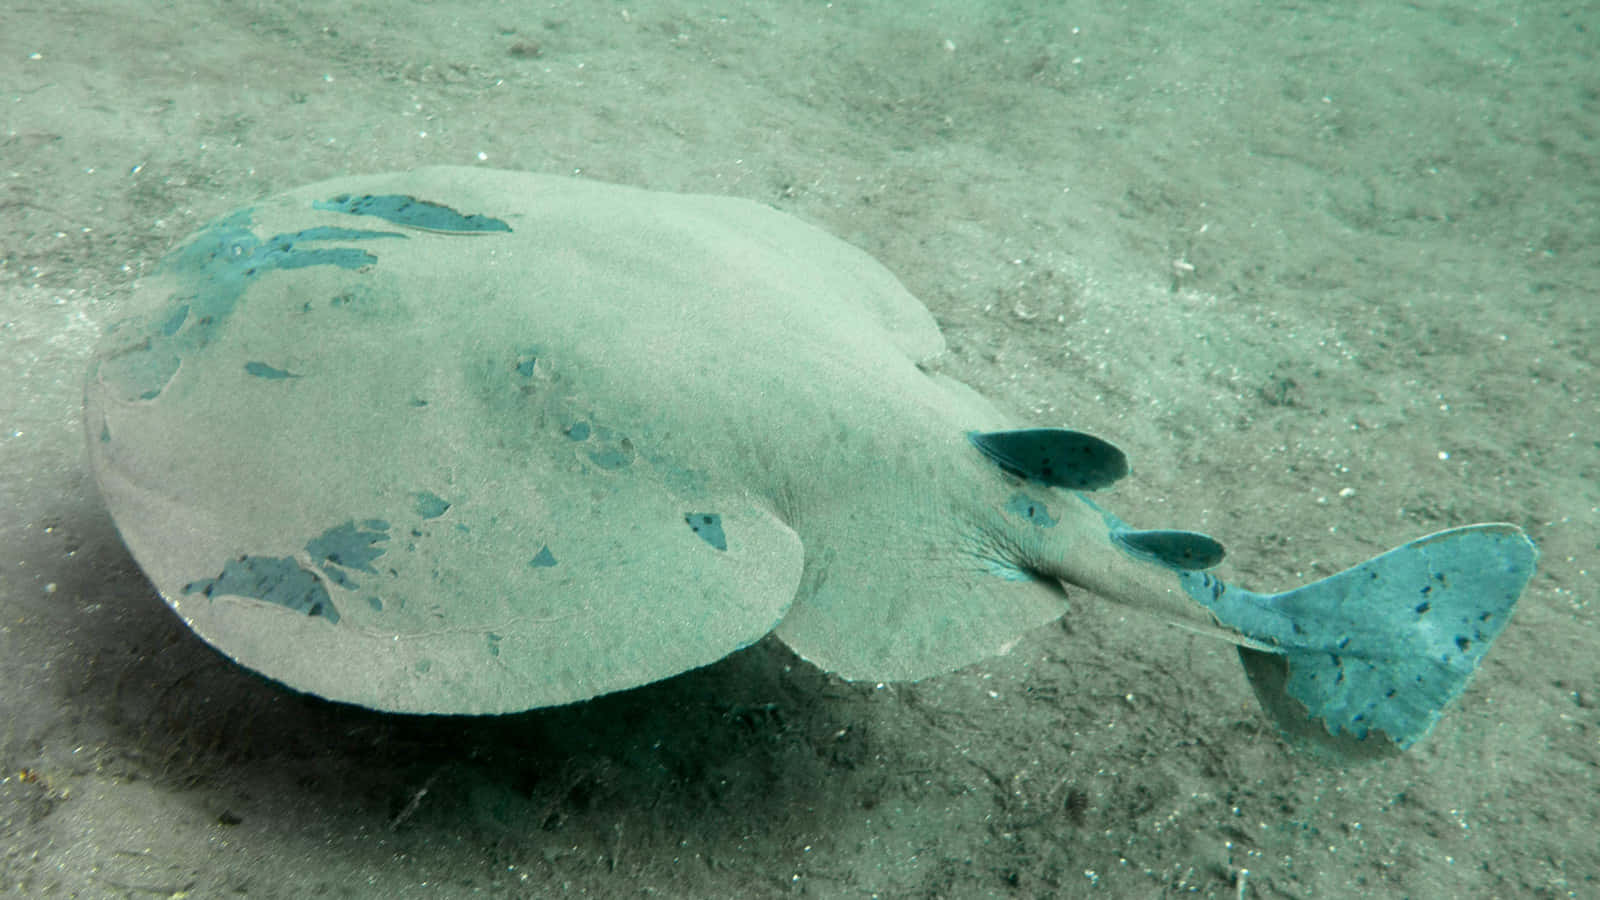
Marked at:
<point>1378,649</point>
<point>1383,646</point>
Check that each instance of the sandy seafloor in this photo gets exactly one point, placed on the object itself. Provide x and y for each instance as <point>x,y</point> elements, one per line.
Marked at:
<point>1325,271</point>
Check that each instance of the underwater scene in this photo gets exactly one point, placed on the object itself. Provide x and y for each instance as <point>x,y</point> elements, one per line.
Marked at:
<point>859,450</point>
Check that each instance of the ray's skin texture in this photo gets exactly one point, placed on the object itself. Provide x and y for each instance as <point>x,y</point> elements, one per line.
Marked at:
<point>467,441</point>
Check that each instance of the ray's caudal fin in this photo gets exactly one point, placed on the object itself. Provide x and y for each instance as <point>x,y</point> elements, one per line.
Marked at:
<point>1381,647</point>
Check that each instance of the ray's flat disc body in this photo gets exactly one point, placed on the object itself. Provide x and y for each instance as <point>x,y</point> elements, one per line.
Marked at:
<point>463,441</point>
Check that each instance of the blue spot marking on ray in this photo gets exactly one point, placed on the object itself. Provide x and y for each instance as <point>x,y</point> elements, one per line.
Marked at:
<point>527,361</point>
<point>709,527</point>
<point>607,449</point>
<point>271,373</point>
<point>430,505</point>
<point>403,209</point>
<point>278,580</point>
<point>1032,511</point>
<point>349,546</point>
<point>611,457</point>
<point>212,272</point>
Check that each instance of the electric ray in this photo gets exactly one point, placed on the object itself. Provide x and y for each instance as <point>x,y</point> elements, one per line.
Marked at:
<point>467,441</point>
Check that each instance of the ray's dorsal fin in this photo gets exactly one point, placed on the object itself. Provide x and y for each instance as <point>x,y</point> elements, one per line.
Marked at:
<point>1058,457</point>
<point>1186,550</point>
